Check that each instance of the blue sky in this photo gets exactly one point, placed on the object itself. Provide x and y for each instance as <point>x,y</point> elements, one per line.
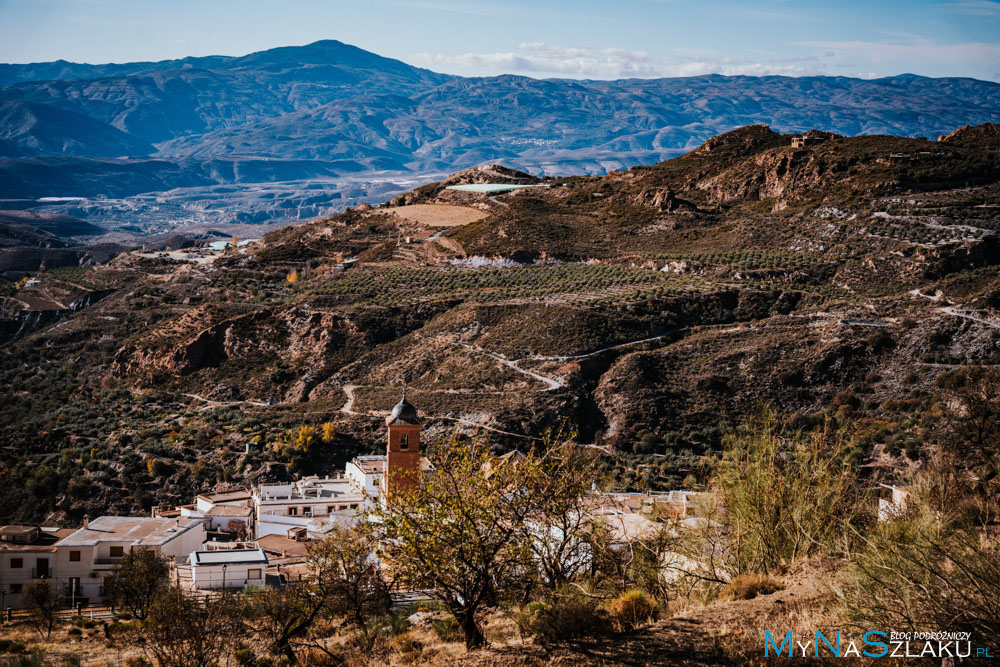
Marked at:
<point>581,39</point>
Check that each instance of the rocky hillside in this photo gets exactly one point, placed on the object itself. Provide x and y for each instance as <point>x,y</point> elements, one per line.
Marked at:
<point>644,311</point>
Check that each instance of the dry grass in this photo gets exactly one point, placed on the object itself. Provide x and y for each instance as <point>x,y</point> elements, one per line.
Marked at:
<point>91,648</point>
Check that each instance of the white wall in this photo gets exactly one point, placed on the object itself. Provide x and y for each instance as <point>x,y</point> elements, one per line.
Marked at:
<point>206,577</point>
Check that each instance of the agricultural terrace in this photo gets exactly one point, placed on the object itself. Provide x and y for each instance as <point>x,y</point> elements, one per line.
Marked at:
<point>395,286</point>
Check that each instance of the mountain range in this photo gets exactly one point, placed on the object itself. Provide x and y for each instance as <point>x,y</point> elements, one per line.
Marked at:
<point>329,110</point>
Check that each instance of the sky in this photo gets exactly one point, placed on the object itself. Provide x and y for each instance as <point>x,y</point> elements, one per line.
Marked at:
<point>593,39</point>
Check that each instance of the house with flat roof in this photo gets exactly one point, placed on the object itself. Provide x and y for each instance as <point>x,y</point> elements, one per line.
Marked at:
<point>228,568</point>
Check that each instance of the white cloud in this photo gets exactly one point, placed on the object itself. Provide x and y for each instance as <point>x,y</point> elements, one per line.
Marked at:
<point>896,54</point>
<point>604,62</point>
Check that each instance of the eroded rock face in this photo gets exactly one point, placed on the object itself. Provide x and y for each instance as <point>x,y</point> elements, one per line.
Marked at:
<point>288,334</point>
<point>662,200</point>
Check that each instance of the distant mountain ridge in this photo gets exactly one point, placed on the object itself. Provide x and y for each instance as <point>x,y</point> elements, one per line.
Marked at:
<point>346,110</point>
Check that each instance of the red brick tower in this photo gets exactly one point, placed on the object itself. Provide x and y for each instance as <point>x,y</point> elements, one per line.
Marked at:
<point>402,460</point>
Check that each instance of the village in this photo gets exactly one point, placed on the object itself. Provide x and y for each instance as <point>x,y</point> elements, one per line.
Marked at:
<point>250,538</point>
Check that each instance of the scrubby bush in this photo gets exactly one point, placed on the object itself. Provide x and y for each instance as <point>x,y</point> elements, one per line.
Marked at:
<point>568,614</point>
<point>749,586</point>
<point>786,495</point>
<point>632,609</point>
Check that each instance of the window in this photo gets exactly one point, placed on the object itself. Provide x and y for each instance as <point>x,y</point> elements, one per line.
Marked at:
<point>330,508</point>
<point>253,574</point>
<point>117,552</point>
<point>16,563</point>
<point>404,441</point>
<point>74,556</point>
<point>293,511</point>
<point>15,588</point>
<point>354,506</point>
<point>307,510</point>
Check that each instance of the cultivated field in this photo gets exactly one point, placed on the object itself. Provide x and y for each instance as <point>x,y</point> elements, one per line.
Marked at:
<point>439,215</point>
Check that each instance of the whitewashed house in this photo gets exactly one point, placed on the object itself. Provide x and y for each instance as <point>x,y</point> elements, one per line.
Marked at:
<point>85,557</point>
<point>228,568</point>
<point>27,556</point>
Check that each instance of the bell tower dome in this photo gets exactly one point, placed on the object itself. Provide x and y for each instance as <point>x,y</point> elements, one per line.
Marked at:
<point>402,453</point>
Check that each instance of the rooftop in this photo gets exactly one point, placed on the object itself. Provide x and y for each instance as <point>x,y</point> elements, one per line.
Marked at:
<point>311,489</point>
<point>491,188</point>
<point>44,540</point>
<point>229,557</point>
<point>228,510</point>
<point>136,529</point>
<point>226,496</point>
<point>370,464</point>
<point>281,545</point>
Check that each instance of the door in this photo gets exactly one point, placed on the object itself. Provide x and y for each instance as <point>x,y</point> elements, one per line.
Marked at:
<point>42,568</point>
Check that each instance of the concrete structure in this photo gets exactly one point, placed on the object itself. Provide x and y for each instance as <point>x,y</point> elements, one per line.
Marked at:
<point>895,505</point>
<point>85,557</point>
<point>228,568</point>
<point>806,139</point>
<point>235,498</point>
<point>27,556</point>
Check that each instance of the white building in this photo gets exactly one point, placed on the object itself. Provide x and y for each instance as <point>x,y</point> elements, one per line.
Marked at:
<point>222,519</point>
<point>228,568</point>
<point>895,506</point>
<point>27,556</point>
<point>85,557</point>
<point>280,508</point>
<point>236,498</point>
<point>366,472</point>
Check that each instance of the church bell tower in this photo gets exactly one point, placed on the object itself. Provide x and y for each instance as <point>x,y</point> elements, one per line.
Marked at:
<point>402,459</point>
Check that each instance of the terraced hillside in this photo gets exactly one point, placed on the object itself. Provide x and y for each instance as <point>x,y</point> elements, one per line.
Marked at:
<point>642,311</point>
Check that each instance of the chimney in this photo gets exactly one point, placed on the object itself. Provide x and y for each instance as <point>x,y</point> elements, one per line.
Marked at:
<point>86,521</point>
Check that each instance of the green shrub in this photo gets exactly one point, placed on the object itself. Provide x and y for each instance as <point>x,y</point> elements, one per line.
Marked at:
<point>787,494</point>
<point>245,657</point>
<point>632,609</point>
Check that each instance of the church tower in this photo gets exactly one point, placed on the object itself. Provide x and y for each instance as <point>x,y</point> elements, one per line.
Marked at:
<point>402,454</point>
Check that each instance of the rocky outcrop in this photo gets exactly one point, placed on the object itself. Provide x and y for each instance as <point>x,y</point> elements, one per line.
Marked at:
<point>986,135</point>
<point>743,141</point>
<point>662,200</point>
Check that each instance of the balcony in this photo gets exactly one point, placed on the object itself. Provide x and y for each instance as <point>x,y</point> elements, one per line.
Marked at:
<point>108,560</point>
<point>47,573</point>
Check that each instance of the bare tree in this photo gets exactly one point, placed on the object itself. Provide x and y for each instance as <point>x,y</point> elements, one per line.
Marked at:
<point>183,631</point>
<point>137,580</point>
<point>344,581</point>
<point>43,601</point>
